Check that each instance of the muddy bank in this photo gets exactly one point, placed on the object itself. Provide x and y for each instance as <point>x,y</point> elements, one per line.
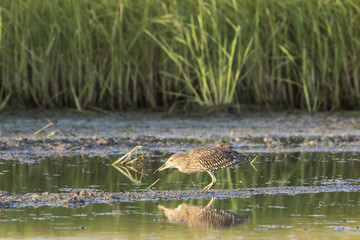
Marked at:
<point>85,197</point>
<point>106,134</point>
<point>26,148</point>
<point>132,125</point>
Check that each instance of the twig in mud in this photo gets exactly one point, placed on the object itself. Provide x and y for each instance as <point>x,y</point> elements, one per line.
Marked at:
<point>43,128</point>
<point>251,163</point>
<point>126,159</point>
<point>153,184</point>
<point>54,132</point>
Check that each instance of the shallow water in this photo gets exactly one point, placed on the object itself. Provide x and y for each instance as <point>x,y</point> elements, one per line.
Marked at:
<point>335,215</point>
<point>274,169</point>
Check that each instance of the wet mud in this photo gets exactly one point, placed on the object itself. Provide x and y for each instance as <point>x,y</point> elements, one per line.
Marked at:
<point>85,196</point>
<point>106,134</point>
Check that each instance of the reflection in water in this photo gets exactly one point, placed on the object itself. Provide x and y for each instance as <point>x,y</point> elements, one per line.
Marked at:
<point>126,164</point>
<point>126,171</point>
<point>203,216</point>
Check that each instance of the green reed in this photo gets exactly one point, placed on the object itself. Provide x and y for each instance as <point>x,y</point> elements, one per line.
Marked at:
<point>151,54</point>
<point>208,60</point>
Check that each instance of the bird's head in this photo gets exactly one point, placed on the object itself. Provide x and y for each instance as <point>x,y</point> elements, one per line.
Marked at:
<point>173,162</point>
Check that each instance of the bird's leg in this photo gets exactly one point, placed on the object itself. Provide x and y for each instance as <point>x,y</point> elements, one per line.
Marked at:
<point>212,182</point>
<point>209,205</point>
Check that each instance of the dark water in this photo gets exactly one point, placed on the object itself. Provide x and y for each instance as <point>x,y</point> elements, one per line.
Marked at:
<point>302,216</point>
<point>285,169</point>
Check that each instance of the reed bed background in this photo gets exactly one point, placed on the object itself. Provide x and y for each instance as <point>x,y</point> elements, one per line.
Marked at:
<point>156,54</point>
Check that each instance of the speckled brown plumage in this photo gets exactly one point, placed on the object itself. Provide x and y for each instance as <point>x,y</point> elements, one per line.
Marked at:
<point>205,159</point>
<point>213,158</point>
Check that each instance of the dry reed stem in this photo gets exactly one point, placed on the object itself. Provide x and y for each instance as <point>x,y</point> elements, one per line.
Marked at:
<point>153,184</point>
<point>126,159</point>
<point>251,163</point>
<point>43,128</point>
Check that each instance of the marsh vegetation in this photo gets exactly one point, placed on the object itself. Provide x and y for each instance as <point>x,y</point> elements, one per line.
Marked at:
<point>163,54</point>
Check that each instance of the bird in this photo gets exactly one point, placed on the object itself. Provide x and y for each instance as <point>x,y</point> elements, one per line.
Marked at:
<point>204,159</point>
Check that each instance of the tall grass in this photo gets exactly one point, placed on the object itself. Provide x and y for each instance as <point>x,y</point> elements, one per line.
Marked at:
<point>150,54</point>
<point>208,60</point>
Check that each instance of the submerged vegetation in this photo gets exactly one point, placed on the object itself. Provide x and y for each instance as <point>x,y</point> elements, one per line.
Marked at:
<point>150,54</point>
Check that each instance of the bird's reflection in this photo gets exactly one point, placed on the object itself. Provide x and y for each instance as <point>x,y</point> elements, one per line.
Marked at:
<point>203,216</point>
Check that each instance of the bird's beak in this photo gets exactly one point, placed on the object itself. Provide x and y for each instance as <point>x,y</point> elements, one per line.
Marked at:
<point>163,167</point>
<point>161,207</point>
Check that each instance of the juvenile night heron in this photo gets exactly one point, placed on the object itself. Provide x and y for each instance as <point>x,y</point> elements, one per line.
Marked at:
<point>204,159</point>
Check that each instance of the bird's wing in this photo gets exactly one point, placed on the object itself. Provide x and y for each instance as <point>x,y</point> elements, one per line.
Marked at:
<point>214,158</point>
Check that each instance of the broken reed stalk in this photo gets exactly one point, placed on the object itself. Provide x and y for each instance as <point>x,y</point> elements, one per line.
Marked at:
<point>123,164</point>
<point>126,159</point>
<point>153,184</point>
<point>251,163</point>
<point>43,128</point>
<point>52,133</point>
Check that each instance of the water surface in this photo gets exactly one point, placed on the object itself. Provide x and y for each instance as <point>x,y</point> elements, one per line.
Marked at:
<point>334,215</point>
<point>302,216</point>
<point>274,169</point>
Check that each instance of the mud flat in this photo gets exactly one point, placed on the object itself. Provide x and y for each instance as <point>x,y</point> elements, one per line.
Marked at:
<point>84,197</point>
<point>106,134</point>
